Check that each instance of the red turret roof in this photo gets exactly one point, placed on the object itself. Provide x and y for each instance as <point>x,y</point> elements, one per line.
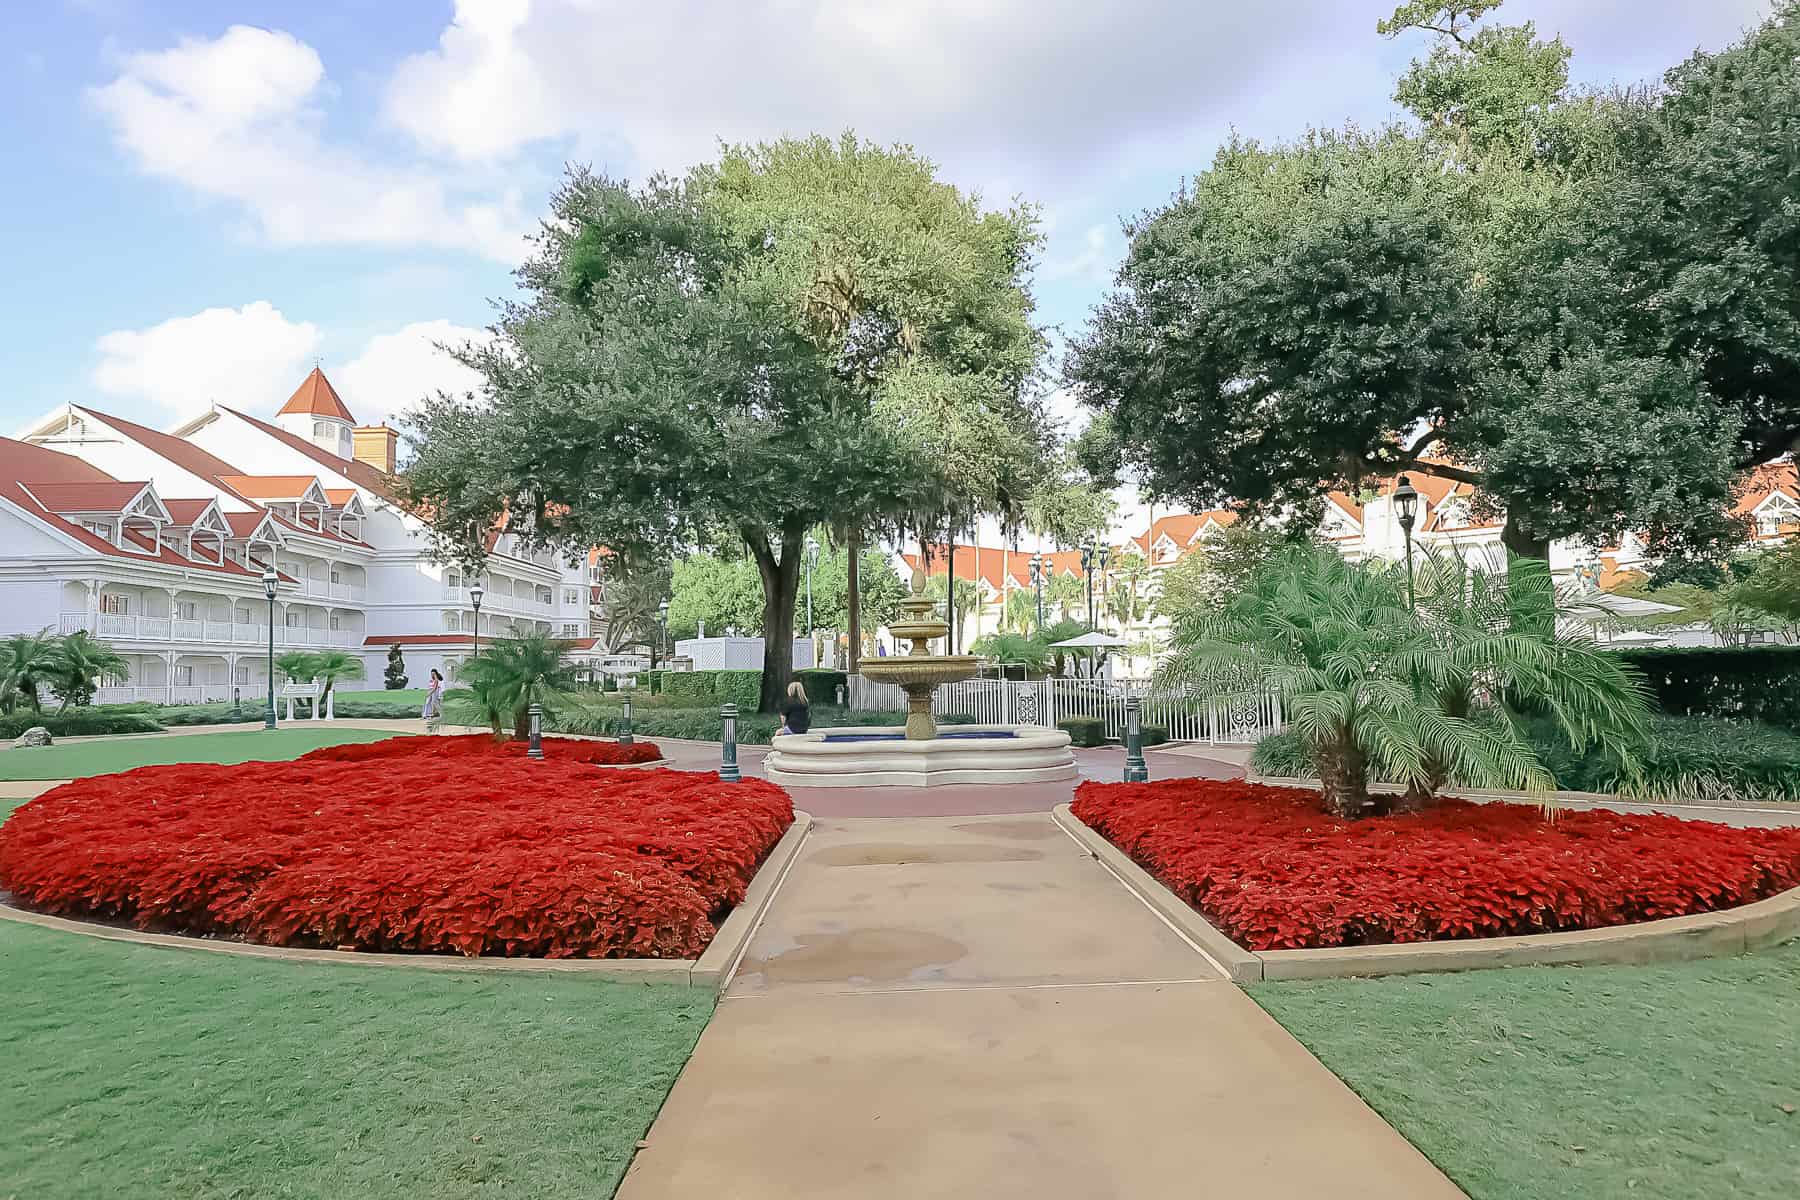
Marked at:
<point>316,397</point>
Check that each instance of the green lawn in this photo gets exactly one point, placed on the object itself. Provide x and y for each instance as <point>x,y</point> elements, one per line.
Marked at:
<point>73,760</point>
<point>142,1073</point>
<point>1662,1081</point>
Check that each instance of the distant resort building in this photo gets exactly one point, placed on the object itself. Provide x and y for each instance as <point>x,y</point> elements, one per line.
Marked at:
<point>157,542</point>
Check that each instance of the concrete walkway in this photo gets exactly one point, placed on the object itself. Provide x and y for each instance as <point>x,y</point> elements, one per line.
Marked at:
<point>972,1007</point>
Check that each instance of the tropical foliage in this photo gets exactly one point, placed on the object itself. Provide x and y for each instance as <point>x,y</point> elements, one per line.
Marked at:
<point>33,664</point>
<point>512,674</point>
<point>1426,697</point>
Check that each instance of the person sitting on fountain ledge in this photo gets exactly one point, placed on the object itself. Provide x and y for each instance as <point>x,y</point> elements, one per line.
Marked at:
<point>796,714</point>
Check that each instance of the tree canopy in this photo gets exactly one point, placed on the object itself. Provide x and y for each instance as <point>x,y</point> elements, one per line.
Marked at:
<point>1473,296</point>
<point>810,332</point>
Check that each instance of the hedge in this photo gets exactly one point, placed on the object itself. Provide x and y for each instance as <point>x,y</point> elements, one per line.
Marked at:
<point>79,723</point>
<point>1752,683</point>
<point>704,724</point>
<point>821,684</point>
<point>1083,731</point>
<point>742,688</point>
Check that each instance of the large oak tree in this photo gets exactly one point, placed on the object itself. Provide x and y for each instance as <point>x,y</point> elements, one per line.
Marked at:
<point>811,332</point>
<point>1436,298</point>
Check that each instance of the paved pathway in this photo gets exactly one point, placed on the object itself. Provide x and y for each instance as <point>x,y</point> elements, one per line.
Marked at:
<point>972,1007</point>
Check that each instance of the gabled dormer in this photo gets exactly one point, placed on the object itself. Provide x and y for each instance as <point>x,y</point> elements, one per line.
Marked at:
<point>128,515</point>
<point>347,512</point>
<point>299,498</point>
<point>255,537</point>
<point>198,530</point>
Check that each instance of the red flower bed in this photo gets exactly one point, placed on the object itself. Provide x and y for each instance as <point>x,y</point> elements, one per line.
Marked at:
<point>425,850</point>
<point>474,745</point>
<point>1273,872</point>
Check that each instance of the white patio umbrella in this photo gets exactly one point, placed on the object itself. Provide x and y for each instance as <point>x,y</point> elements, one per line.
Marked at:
<point>1091,641</point>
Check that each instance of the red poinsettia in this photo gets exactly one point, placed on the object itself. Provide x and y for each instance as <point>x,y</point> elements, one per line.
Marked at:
<point>477,745</point>
<point>428,845</point>
<point>1272,871</point>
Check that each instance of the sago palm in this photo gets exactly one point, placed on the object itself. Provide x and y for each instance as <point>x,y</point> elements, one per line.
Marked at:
<point>329,666</point>
<point>80,662</point>
<point>512,674</point>
<point>1375,690</point>
<point>27,664</point>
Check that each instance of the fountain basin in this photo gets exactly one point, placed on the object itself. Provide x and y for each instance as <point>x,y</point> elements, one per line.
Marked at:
<point>878,756</point>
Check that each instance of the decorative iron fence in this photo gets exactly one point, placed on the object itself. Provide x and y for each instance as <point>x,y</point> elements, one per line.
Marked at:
<point>1187,716</point>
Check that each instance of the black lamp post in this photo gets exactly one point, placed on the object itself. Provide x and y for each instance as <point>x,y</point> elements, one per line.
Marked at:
<point>662,630</point>
<point>1087,574</point>
<point>812,560</point>
<point>270,581</point>
<point>1037,585</point>
<point>476,592</point>
<point>1406,507</point>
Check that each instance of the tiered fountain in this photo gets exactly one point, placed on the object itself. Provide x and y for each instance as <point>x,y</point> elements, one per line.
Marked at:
<point>919,755</point>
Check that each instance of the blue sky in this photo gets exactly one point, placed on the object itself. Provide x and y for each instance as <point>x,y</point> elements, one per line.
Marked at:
<point>204,198</point>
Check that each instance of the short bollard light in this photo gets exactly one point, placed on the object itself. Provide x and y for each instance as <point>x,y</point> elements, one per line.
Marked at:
<point>1136,769</point>
<point>625,719</point>
<point>728,767</point>
<point>537,732</point>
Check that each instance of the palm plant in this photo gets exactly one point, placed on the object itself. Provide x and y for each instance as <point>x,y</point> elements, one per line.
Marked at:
<point>1374,689</point>
<point>512,674</point>
<point>1019,615</point>
<point>1060,631</point>
<point>80,660</point>
<point>297,666</point>
<point>330,666</point>
<point>1013,649</point>
<point>28,661</point>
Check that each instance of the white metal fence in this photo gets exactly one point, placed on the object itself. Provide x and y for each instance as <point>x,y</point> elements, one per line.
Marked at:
<point>1187,716</point>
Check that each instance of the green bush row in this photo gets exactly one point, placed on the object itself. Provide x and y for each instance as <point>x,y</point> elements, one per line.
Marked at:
<point>1746,683</point>
<point>1083,731</point>
<point>705,725</point>
<point>79,722</point>
<point>742,688</point>
<point>1690,758</point>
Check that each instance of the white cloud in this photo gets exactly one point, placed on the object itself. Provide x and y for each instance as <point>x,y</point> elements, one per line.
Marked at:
<point>397,370</point>
<point>251,356</point>
<point>236,118</point>
<point>1092,261</point>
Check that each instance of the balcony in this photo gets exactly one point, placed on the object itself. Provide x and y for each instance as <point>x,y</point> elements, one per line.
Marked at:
<point>119,627</point>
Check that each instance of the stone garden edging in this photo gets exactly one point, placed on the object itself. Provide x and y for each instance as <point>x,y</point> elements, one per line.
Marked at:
<point>711,970</point>
<point>1702,935</point>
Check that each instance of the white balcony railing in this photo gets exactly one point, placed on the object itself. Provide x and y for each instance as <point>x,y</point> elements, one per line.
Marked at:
<point>122,627</point>
<point>154,628</point>
<point>189,631</point>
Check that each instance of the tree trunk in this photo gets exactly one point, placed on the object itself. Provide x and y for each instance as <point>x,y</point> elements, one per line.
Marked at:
<point>781,586</point>
<point>1344,782</point>
<point>853,596</point>
<point>1521,541</point>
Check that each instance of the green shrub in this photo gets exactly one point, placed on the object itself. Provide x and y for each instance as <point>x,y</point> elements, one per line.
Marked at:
<point>1153,735</point>
<point>1282,755</point>
<point>79,722</point>
<point>1083,731</point>
<point>1749,683</point>
<point>821,685</point>
<point>703,724</point>
<point>1691,758</point>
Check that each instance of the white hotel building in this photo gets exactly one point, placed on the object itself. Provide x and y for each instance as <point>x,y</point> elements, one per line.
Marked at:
<point>156,542</point>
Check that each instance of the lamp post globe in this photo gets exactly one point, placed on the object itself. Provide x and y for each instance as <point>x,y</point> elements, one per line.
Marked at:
<point>1406,508</point>
<point>270,582</point>
<point>476,592</point>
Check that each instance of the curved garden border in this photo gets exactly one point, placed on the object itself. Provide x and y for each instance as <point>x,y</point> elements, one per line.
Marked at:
<point>713,969</point>
<point>1702,935</point>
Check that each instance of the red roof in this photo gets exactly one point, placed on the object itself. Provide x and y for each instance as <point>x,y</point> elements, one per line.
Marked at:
<point>22,463</point>
<point>994,564</point>
<point>1181,528</point>
<point>316,397</point>
<point>183,513</point>
<point>360,473</point>
<point>85,497</point>
<point>269,487</point>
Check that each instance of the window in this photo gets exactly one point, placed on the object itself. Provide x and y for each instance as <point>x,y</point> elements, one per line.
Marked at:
<point>571,596</point>
<point>334,620</point>
<point>324,429</point>
<point>243,673</point>
<point>96,527</point>
<point>243,616</point>
<point>294,619</point>
<point>187,610</point>
<point>115,604</point>
<point>571,629</point>
<point>335,577</point>
<point>184,675</point>
<point>453,579</point>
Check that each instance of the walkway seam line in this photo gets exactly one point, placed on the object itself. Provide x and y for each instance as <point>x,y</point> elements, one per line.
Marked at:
<point>1132,892</point>
<point>980,987</point>
<point>774,894</point>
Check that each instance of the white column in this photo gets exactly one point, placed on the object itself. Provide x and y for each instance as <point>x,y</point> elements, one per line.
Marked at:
<point>169,670</point>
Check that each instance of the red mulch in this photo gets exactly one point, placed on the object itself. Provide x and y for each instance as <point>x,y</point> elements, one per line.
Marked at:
<point>427,845</point>
<point>1274,872</point>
